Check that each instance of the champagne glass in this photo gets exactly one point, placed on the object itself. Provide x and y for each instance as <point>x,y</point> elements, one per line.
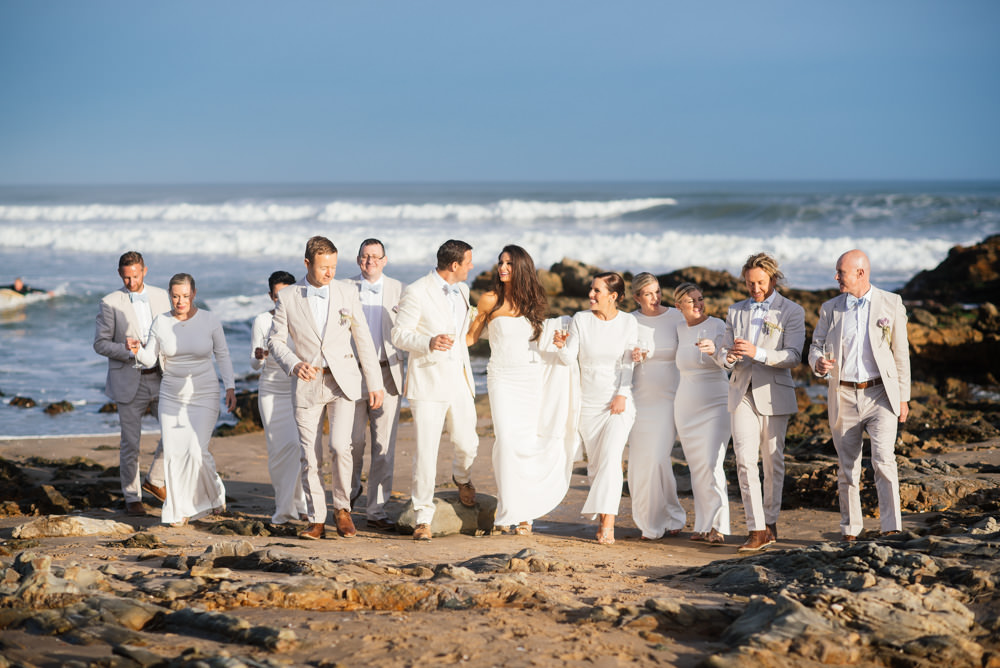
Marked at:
<point>828,354</point>
<point>133,346</point>
<point>702,337</point>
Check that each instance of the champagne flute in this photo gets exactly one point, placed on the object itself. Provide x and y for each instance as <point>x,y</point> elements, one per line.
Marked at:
<point>828,354</point>
<point>702,337</point>
<point>133,346</point>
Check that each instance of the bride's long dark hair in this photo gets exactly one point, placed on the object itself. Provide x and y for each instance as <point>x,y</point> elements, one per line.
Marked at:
<point>523,291</point>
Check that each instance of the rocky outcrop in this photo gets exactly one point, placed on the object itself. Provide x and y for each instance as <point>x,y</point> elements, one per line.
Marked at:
<point>968,274</point>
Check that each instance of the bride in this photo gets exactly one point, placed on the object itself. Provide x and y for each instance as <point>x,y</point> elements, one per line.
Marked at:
<point>533,450</point>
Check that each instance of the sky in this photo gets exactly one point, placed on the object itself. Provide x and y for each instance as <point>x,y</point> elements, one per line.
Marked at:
<point>250,92</point>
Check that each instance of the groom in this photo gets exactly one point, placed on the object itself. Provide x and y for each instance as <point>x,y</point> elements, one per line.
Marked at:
<point>322,317</point>
<point>431,324</point>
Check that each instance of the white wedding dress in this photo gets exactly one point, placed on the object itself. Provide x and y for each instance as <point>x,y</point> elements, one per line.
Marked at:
<point>533,405</point>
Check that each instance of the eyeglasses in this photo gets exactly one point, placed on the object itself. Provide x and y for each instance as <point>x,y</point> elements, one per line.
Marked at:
<point>370,258</point>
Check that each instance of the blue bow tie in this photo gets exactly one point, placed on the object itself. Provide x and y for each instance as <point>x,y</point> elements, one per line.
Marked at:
<point>368,287</point>
<point>759,306</point>
<point>451,290</point>
<point>322,293</point>
<point>855,302</point>
<point>138,297</point>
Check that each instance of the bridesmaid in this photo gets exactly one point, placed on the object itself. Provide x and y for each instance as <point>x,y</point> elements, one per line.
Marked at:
<point>702,414</point>
<point>655,507</point>
<point>601,341</point>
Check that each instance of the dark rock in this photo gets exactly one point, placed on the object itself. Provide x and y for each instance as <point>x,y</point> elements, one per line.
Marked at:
<point>968,274</point>
<point>247,413</point>
<point>59,407</point>
<point>23,402</point>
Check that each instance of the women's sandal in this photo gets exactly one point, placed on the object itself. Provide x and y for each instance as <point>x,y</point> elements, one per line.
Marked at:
<point>715,539</point>
<point>606,536</point>
<point>699,537</point>
<point>673,533</point>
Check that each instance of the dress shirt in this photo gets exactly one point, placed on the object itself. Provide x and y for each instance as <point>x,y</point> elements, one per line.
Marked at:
<point>757,312</point>
<point>371,303</point>
<point>859,361</point>
<point>140,305</point>
<point>319,302</point>
<point>454,296</point>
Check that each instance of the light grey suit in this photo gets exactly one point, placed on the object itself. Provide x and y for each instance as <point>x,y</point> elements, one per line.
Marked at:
<point>335,391</point>
<point>761,400</point>
<point>127,386</point>
<point>875,409</point>
<point>383,422</point>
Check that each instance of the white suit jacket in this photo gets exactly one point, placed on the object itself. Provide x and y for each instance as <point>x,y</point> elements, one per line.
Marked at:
<point>391,291</point>
<point>115,321</point>
<point>345,323</point>
<point>889,345</point>
<point>425,312</point>
<point>782,341</point>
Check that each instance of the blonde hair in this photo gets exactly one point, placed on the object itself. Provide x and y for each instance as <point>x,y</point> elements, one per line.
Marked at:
<point>765,263</point>
<point>642,280</point>
<point>683,289</point>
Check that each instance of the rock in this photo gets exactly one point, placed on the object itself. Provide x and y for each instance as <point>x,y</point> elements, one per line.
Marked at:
<point>23,402</point>
<point>232,628</point>
<point>67,525</point>
<point>575,276</point>
<point>451,517</point>
<point>55,500</point>
<point>58,408</point>
<point>224,554</point>
<point>240,527</point>
<point>968,274</point>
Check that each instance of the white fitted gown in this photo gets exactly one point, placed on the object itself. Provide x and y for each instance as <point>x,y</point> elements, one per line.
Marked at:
<point>603,349</point>
<point>532,462</point>
<point>702,417</point>
<point>655,506</point>
<point>284,454</point>
<point>189,409</point>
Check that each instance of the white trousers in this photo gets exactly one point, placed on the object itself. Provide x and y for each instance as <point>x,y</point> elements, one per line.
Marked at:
<point>381,425</point>
<point>458,416</point>
<point>130,416</point>
<point>762,437</point>
<point>284,454</point>
<point>866,410</point>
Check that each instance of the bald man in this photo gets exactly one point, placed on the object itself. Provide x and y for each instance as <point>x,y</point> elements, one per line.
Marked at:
<point>868,363</point>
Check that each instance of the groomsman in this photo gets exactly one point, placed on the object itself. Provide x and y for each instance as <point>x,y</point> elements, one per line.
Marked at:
<point>868,363</point>
<point>432,322</point>
<point>127,314</point>
<point>380,299</point>
<point>323,317</point>
<point>764,338</point>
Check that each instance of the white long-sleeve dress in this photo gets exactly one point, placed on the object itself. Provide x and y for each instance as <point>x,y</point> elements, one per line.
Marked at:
<point>189,409</point>
<point>603,349</point>
<point>531,400</point>
<point>702,417</point>
<point>655,506</point>
<point>284,455</point>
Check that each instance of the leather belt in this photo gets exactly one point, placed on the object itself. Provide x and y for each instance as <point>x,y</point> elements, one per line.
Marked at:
<point>152,369</point>
<point>325,370</point>
<point>862,385</point>
<point>384,364</point>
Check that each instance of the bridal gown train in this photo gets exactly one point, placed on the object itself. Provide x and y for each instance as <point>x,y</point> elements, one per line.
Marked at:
<point>532,403</point>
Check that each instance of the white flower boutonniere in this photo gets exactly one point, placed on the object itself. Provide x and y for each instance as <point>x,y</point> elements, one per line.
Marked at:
<point>770,327</point>
<point>883,324</point>
<point>473,312</point>
<point>345,316</point>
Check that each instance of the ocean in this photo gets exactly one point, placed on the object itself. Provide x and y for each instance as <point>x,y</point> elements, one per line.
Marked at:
<point>67,239</point>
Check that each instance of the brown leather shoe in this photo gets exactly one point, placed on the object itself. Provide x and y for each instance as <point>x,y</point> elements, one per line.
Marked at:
<point>345,526</point>
<point>466,492</point>
<point>773,528</point>
<point>848,538</point>
<point>314,531</point>
<point>158,493</point>
<point>422,532</point>
<point>757,540</point>
<point>382,524</point>
<point>135,509</point>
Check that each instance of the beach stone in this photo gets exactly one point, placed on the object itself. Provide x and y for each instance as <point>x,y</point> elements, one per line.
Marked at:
<point>451,517</point>
<point>71,525</point>
<point>224,554</point>
<point>58,408</point>
<point>23,402</point>
<point>232,628</point>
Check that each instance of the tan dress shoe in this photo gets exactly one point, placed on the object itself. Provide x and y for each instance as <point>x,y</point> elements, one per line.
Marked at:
<point>422,532</point>
<point>466,492</point>
<point>345,525</point>
<point>314,531</point>
<point>757,540</point>
<point>773,528</point>
<point>848,538</point>
<point>158,493</point>
<point>135,509</point>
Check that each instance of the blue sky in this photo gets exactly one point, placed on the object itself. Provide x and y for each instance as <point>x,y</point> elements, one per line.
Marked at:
<point>212,92</point>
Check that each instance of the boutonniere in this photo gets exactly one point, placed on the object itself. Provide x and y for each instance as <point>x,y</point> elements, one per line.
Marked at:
<point>770,327</point>
<point>473,312</point>
<point>883,324</point>
<point>345,316</point>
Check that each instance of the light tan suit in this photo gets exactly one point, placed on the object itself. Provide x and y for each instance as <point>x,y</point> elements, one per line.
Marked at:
<point>334,391</point>
<point>127,386</point>
<point>875,409</point>
<point>761,400</point>
<point>382,423</point>
<point>439,385</point>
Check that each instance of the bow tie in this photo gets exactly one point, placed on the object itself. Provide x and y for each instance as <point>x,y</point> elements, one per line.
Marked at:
<point>368,287</point>
<point>138,297</point>
<point>451,290</point>
<point>758,306</point>
<point>855,302</point>
<point>322,292</point>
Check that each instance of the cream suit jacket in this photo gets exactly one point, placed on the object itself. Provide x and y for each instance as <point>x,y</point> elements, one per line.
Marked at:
<point>115,321</point>
<point>771,382</point>
<point>889,346</point>
<point>425,312</point>
<point>345,323</point>
<point>391,291</point>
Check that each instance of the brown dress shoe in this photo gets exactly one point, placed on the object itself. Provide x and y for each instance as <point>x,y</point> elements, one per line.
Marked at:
<point>135,509</point>
<point>757,540</point>
<point>466,492</point>
<point>314,531</point>
<point>848,538</point>
<point>382,524</point>
<point>422,532</point>
<point>345,526</point>
<point>158,493</point>
<point>773,528</point>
